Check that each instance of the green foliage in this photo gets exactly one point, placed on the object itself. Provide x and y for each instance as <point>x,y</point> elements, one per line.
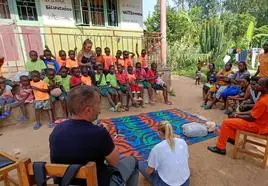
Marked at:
<point>261,36</point>
<point>250,32</point>
<point>210,38</point>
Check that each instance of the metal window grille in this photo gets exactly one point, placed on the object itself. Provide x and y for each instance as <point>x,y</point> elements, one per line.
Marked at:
<point>27,10</point>
<point>4,10</point>
<point>112,12</point>
<point>97,12</point>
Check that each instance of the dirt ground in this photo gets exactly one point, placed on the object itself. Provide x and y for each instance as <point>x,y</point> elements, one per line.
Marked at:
<point>207,169</point>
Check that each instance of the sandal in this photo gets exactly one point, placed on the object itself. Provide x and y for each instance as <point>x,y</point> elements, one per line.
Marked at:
<point>168,103</point>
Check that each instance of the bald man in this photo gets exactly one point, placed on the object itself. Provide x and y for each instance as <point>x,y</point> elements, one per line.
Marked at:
<point>256,121</point>
<point>79,141</point>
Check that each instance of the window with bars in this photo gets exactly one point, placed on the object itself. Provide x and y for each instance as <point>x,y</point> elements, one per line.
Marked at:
<point>92,12</point>
<point>4,10</point>
<point>27,10</point>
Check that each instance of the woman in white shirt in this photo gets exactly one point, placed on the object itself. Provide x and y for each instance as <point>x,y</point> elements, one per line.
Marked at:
<point>168,160</point>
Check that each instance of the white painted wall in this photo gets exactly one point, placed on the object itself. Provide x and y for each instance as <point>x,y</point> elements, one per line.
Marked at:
<point>60,13</point>
<point>57,13</point>
<point>131,13</point>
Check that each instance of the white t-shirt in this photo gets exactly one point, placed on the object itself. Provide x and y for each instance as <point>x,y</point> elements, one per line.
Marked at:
<point>172,166</point>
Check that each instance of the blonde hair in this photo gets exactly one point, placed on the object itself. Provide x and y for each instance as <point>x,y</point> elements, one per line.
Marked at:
<point>85,43</point>
<point>166,128</point>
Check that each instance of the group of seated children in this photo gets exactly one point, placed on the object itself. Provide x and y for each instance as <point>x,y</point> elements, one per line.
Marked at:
<point>237,90</point>
<point>51,78</point>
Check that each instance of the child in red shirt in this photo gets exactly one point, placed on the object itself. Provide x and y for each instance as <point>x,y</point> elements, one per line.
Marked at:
<point>122,79</point>
<point>119,60</point>
<point>134,87</point>
<point>142,82</point>
<point>157,83</point>
<point>76,78</point>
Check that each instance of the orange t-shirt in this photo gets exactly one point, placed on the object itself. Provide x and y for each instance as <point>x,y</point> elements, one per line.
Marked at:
<point>144,61</point>
<point>260,113</point>
<point>38,95</point>
<point>121,62</point>
<point>60,61</point>
<point>128,62</point>
<point>108,61</point>
<point>263,60</point>
<point>100,59</point>
<point>86,80</point>
<point>71,63</point>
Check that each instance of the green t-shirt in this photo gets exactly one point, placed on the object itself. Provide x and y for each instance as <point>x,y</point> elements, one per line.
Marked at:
<point>103,80</point>
<point>38,65</point>
<point>111,79</point>
<point>66,83</point>
<point>57,80</point>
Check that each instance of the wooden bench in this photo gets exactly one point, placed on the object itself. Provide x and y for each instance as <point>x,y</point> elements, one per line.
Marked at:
<point>240,146</point>
<point>87,172</point>
<point>5,170</point>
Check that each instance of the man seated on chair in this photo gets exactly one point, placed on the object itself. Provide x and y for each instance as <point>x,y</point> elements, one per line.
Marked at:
<point>79,141</point>
<point>256,121</point>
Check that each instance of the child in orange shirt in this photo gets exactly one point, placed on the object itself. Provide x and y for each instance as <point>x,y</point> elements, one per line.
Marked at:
<point>119,60</point>
<point>61,59</point>
<point>41,103</point>
<point>85,78</point>
<point>128,58</point>
<point>99,57</point>
<point>71,61</point>
<point>143,58</point>
<point>108,59</point>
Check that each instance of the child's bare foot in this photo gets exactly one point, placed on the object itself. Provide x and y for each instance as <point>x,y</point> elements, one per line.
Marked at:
<point>127,108</point>
<point>168,103</point>
<point>151,102</point>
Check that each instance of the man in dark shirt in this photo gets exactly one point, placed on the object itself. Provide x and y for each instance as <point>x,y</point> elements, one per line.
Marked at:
<point>78,141</point>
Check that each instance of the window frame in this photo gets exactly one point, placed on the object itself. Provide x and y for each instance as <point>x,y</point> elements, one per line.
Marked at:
<point>36,12</point>
<point>105,12</point>
<point>6,5</point>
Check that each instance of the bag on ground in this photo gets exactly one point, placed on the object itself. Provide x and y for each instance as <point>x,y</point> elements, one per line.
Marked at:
<point>194,130</point>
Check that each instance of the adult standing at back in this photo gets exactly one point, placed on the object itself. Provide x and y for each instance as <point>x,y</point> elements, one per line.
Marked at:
<point>79,141</point>
<point>168,160</point>
<point>263,60</point>
<point>87,57</point>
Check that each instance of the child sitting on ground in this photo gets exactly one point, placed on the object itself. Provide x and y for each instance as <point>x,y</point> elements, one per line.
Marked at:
<point>114,88</point>
<point>104,89</point>
<point>198,76</point>
<point>49,61</point>
<point>6,99</point>
<point>99,57</point>
<point>24,96</point>
<point>108,59</point>
<point>35,63</point>
<point>56,92</point>
<point>76,77</point>
<point>71,61</point>
<point>85,78</point>
<point>65,79</point>
<point>122,79</point>
<point>141,79</point>
<point>134,87</point>
<point>62,58</point>
<point>41,102</point>
<point>157,83</point>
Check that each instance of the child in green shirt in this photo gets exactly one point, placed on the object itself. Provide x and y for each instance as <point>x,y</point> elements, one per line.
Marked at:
<point>65,79</point>
<point>34,63</point>
<point>104,88</point>
<point>114,88</point>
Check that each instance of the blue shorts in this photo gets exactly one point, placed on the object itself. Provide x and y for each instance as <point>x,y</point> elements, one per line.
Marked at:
<point>230,91</point>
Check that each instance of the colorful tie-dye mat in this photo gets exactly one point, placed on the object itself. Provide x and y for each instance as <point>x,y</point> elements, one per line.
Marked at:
<point>136,135</point>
